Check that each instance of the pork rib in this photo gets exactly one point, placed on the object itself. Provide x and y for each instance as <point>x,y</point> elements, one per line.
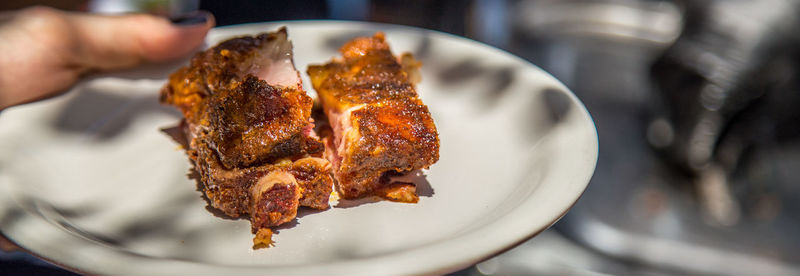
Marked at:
<point>380,126</point>
<point>250,134</point>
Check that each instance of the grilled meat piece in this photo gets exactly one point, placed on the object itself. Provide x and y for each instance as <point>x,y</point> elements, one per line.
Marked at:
<point>247,95</point>
<point>380,126</point>
<point>230,190</point>
<point>250,134</point>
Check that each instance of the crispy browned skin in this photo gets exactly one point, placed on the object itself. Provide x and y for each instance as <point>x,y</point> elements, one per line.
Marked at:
<point>230,189</point>
<point>250,140</point>
<point>249,121</point>
<point>380,125</point>
<point>256,122</point>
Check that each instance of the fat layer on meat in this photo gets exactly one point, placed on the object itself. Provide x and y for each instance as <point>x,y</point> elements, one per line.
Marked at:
<point>380,126</point>
<point>250,134</point>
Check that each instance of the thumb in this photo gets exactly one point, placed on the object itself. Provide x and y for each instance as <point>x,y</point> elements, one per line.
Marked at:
<point>110,42</point>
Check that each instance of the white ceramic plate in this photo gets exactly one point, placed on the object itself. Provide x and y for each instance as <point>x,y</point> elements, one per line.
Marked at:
<point>89,182</point>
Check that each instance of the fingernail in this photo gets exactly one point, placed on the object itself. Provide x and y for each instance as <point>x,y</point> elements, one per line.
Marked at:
<point>191,18</point>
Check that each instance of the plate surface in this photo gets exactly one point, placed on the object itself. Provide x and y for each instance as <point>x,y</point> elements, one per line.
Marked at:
<point>88,180</point>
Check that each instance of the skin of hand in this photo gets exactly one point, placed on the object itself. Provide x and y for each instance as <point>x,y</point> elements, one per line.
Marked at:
<point>44,51</point>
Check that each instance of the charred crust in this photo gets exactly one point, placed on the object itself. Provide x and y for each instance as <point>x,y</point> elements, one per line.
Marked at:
<point>242,129</point>
<point>274,206</point>
<point>395,130</point>
<point>315,179</point>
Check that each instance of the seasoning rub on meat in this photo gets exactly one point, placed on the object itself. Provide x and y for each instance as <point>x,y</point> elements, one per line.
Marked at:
<point>380,126</point>
<point>250,134</point>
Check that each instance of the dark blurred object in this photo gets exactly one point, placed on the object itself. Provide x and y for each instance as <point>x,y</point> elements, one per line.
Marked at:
<point>15,261</point>
<point>730,89</point>
<point>70,5</point>
<point>6,245</point>
<point>445,15</point>
<point>245,11</point>
<point>734,209</point>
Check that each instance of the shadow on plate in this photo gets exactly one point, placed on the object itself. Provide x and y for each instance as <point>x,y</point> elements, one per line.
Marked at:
<point>102,115</point>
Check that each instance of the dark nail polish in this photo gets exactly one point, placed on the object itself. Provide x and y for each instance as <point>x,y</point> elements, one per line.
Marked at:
<point>191,18</point>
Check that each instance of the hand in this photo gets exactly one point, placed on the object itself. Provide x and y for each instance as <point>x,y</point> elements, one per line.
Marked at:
<point>6,245</point>
<point>45,51</point>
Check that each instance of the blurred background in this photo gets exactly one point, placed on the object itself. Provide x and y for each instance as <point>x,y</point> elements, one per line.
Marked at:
<point>696,105</point>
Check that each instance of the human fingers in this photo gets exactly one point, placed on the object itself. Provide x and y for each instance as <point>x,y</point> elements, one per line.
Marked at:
<point>110,42</point>
<point>46,50</point>
<point>35,42</point>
